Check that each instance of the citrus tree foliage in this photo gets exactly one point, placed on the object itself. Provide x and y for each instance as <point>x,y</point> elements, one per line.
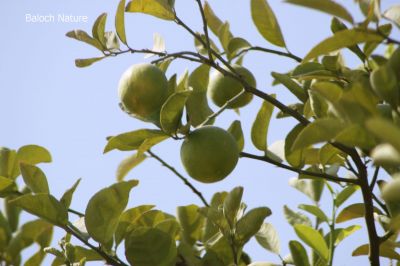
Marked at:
<point>346,141</point>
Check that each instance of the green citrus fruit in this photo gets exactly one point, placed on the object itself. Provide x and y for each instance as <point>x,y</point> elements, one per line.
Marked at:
<point>209,154</point>
<point>223,88</point>
<point>143,89</point>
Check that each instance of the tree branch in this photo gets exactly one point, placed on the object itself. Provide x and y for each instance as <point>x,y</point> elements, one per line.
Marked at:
<point>270,51</point>
<point>205,29</point>
<point>184,179</point>
<point>299,171</point>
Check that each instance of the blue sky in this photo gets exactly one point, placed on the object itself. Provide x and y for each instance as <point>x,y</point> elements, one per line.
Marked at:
<point>46,100</point>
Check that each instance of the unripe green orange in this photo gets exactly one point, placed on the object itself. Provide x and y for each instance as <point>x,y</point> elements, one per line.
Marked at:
<point>223,88</point>
<point>143,89</point>
<point>209,154</point>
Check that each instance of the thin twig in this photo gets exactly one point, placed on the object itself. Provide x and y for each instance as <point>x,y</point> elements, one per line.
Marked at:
<point>223,107</point>
<point>270,51</point>
<point>205,29</point>
<point>184,179</point>
<point>381,204</point>
<point>76,212</point>
<point>374,179</point>
<point>299,171</point>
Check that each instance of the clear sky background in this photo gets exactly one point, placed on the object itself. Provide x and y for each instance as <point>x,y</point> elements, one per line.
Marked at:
<point>46,100</point>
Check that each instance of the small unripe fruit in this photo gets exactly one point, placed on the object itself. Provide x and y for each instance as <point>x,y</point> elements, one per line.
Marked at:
<point>143,89</point>
<point>209,154</point>
<point>223,88</point>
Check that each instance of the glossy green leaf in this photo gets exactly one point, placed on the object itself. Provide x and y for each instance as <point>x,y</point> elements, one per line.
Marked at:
<point>44,206</point>
<point>353,211</point>
<point>324,129</point>
<point>312,238</point>
<point>259,130</point>
<point>314,210</point>
<point>326,6</point>
<point>299,253</point>
<point>132,140</point>
<point>268,238</point>
<point>67,196</point>
<point>98,29</point>
<point>172,110</point>
<point>341,40</point>
<point>294,218</point>
<point>34,178</point>
<point>127,218</point>
<point>87,62</point>
<point>266,22</point>
<point>232,205</point>
<point>345,194</point>
<point>250,224</point>
<point>158,8</point>
<point>82,36</point>
<point>192,223</point>
<point>104,209</point>
<point>393,14</point>
<point>120,21</point>
<point>385,130</point>
<point>345,232</point>
<point>237,132</point>
<point>6,183</point>
<point>128,164</point>
<point>291,85</point>
<point>150,246</point>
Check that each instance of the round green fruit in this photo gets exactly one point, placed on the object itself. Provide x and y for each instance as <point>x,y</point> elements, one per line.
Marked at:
<point>209,154</point>
<point>143,89</point>
<point>223,88</point>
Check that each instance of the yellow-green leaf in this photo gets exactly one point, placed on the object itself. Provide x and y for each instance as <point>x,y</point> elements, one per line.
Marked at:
<point>312,238</point>
<point>172,110</point>
<point>266,22</point>
<point>98,29</point>
<point>158,8</point>
<point>259,130</point>
<point>120,21</point>
<point>87,62</point>
<point>326,6</point>
<point>128,164</point>
<point>34,178</point>
<point>341,40</point>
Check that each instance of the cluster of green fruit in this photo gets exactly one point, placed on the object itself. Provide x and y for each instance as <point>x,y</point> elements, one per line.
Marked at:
<point>208,153</point>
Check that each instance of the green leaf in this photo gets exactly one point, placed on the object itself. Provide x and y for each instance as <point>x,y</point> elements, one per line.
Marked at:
<point>98,29</point>
<point>326,6</point>
<point>353,211</point>
<point>341,40</point>
<point>225,36</point>
<point>343,233</point>
<point>232,205</point>
<point>192,223</point>
<point>127,218</point>
<point>199,78</point>
<point>132,140</point>
<point>294,158</point>
<point>104,209</point>
<point>44,206</point>
<point>385,130</point>
<point>266,22</point>
<point>299,253</point>
<point>313,239</point>
<point>292,86</point>
<point>33,154</point>
<point>213,22</point>
<point>268,238</point>
<point>172,110</point>
<point>385,84</point>
<point>250,224</point>
<point>158,8</point>
<point>294,218</point>
<point>87,62</point>
<point>169,226</point>
<point>324,129</point>
<point>67,196</point>
<point>120,21</point>
<point>385,250</point>
<point>393,14</point>
<point>236,45</point>
<point>6,184</point>
<point>314,210</point>
<point>259,130</point>
<point>345,194</point>
<point>237,132</point>
<point>82,36</point>
<point>128,164</point>
<point>34,178</point>
<point>150,246</point>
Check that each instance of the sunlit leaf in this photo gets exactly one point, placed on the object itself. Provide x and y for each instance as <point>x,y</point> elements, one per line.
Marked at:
<point>120,21</point>
<point>259,130</point>
<point>128,164</point>
<point>34,178</point>
<point>237,132</point>
<point>67,196</point>
<point>82,36</point>
<point>299,253</point>
<point>158,8</point>
<point>313,239</point>
<point>87,62</point>
<point>171,111</point>
<point>353,211</point>
<point>268,238</point>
